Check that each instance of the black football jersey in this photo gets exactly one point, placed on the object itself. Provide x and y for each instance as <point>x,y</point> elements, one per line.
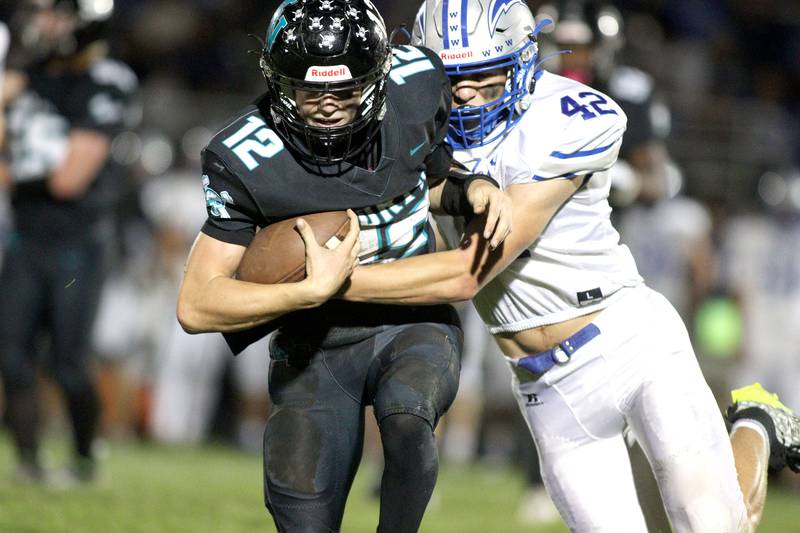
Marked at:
<point>39,122</point>
<point>252,179</point>
<point>648,119</point>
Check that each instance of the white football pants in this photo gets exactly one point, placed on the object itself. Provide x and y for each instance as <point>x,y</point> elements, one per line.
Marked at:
<point>640,371</point>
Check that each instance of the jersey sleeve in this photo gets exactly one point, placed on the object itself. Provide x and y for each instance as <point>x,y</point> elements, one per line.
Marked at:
<point>438,161</point>
<point>232,213</point>
<point>583,147</point>
<point>106,107</point>
<point>442,117</point>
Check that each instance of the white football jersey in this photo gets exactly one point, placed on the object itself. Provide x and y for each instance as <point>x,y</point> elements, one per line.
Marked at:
<point>577,265</point>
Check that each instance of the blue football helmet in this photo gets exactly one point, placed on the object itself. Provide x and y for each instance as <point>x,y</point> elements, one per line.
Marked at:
<point>476,36</point>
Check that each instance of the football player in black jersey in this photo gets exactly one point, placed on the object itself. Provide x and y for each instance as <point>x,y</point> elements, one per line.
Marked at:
<point>66,106</point>
<point>347,122</point>
<point>592,31</point>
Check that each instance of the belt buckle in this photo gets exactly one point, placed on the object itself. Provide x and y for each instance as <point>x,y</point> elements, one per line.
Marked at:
<point>559,355</point>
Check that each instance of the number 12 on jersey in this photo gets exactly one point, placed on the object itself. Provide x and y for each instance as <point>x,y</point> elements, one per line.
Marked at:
<point>407,61</point>
<point>570,107</point>
<point>266,144</point>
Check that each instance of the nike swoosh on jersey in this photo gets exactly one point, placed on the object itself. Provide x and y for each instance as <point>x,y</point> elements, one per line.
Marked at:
<point>416,149</point>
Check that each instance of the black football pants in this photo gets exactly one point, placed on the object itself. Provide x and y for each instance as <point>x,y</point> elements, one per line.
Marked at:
<point>53,289</point>
<point>314,436</point>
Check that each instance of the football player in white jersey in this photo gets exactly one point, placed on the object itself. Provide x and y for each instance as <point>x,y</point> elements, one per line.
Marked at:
<point>592,348</point>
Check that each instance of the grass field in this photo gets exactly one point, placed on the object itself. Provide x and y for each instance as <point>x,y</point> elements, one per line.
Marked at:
<point>156,489</point>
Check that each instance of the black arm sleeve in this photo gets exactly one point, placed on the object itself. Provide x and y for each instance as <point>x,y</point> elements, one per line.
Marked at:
<point>232,213</point>
<point>454,194</point>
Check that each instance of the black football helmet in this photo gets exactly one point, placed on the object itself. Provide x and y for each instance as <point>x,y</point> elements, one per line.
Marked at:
<point>90,23</point>
<point>327,46</point>
<point>596,24</point>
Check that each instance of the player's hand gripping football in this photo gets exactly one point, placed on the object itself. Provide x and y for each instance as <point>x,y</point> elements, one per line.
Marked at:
<point>484,197</point>
<point>327,269</point>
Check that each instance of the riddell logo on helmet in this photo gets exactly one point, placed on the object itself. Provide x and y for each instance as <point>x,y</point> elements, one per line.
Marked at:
<point>332,73</point>
<point>465,54</point>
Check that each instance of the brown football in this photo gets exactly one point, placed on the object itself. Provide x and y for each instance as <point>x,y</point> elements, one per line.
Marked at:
<point>277,253</point>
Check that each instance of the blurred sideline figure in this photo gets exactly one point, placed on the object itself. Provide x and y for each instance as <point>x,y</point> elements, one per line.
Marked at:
<point>186,369</point>
<point>593,349</point>
<point>188,384</point>
<point>760,264</point>
<point>67,103</point>
<point>5,38</point>
<point>169,384</point>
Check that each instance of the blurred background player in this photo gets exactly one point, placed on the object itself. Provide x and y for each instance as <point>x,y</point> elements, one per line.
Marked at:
<point>760,265</point>
<point>5,38</point>
<point>67,103</point>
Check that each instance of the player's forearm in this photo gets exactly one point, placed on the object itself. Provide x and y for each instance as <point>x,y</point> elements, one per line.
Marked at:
<point>87,155</point>
<point>225,304</point>
<point>428,279</point>
<point>435,188</point>
<point>459,274</point>
<point>5,176</point>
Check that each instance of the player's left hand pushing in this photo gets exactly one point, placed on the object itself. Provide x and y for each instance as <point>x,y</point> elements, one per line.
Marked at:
<point>327,269</point>
<point>485,197</point>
